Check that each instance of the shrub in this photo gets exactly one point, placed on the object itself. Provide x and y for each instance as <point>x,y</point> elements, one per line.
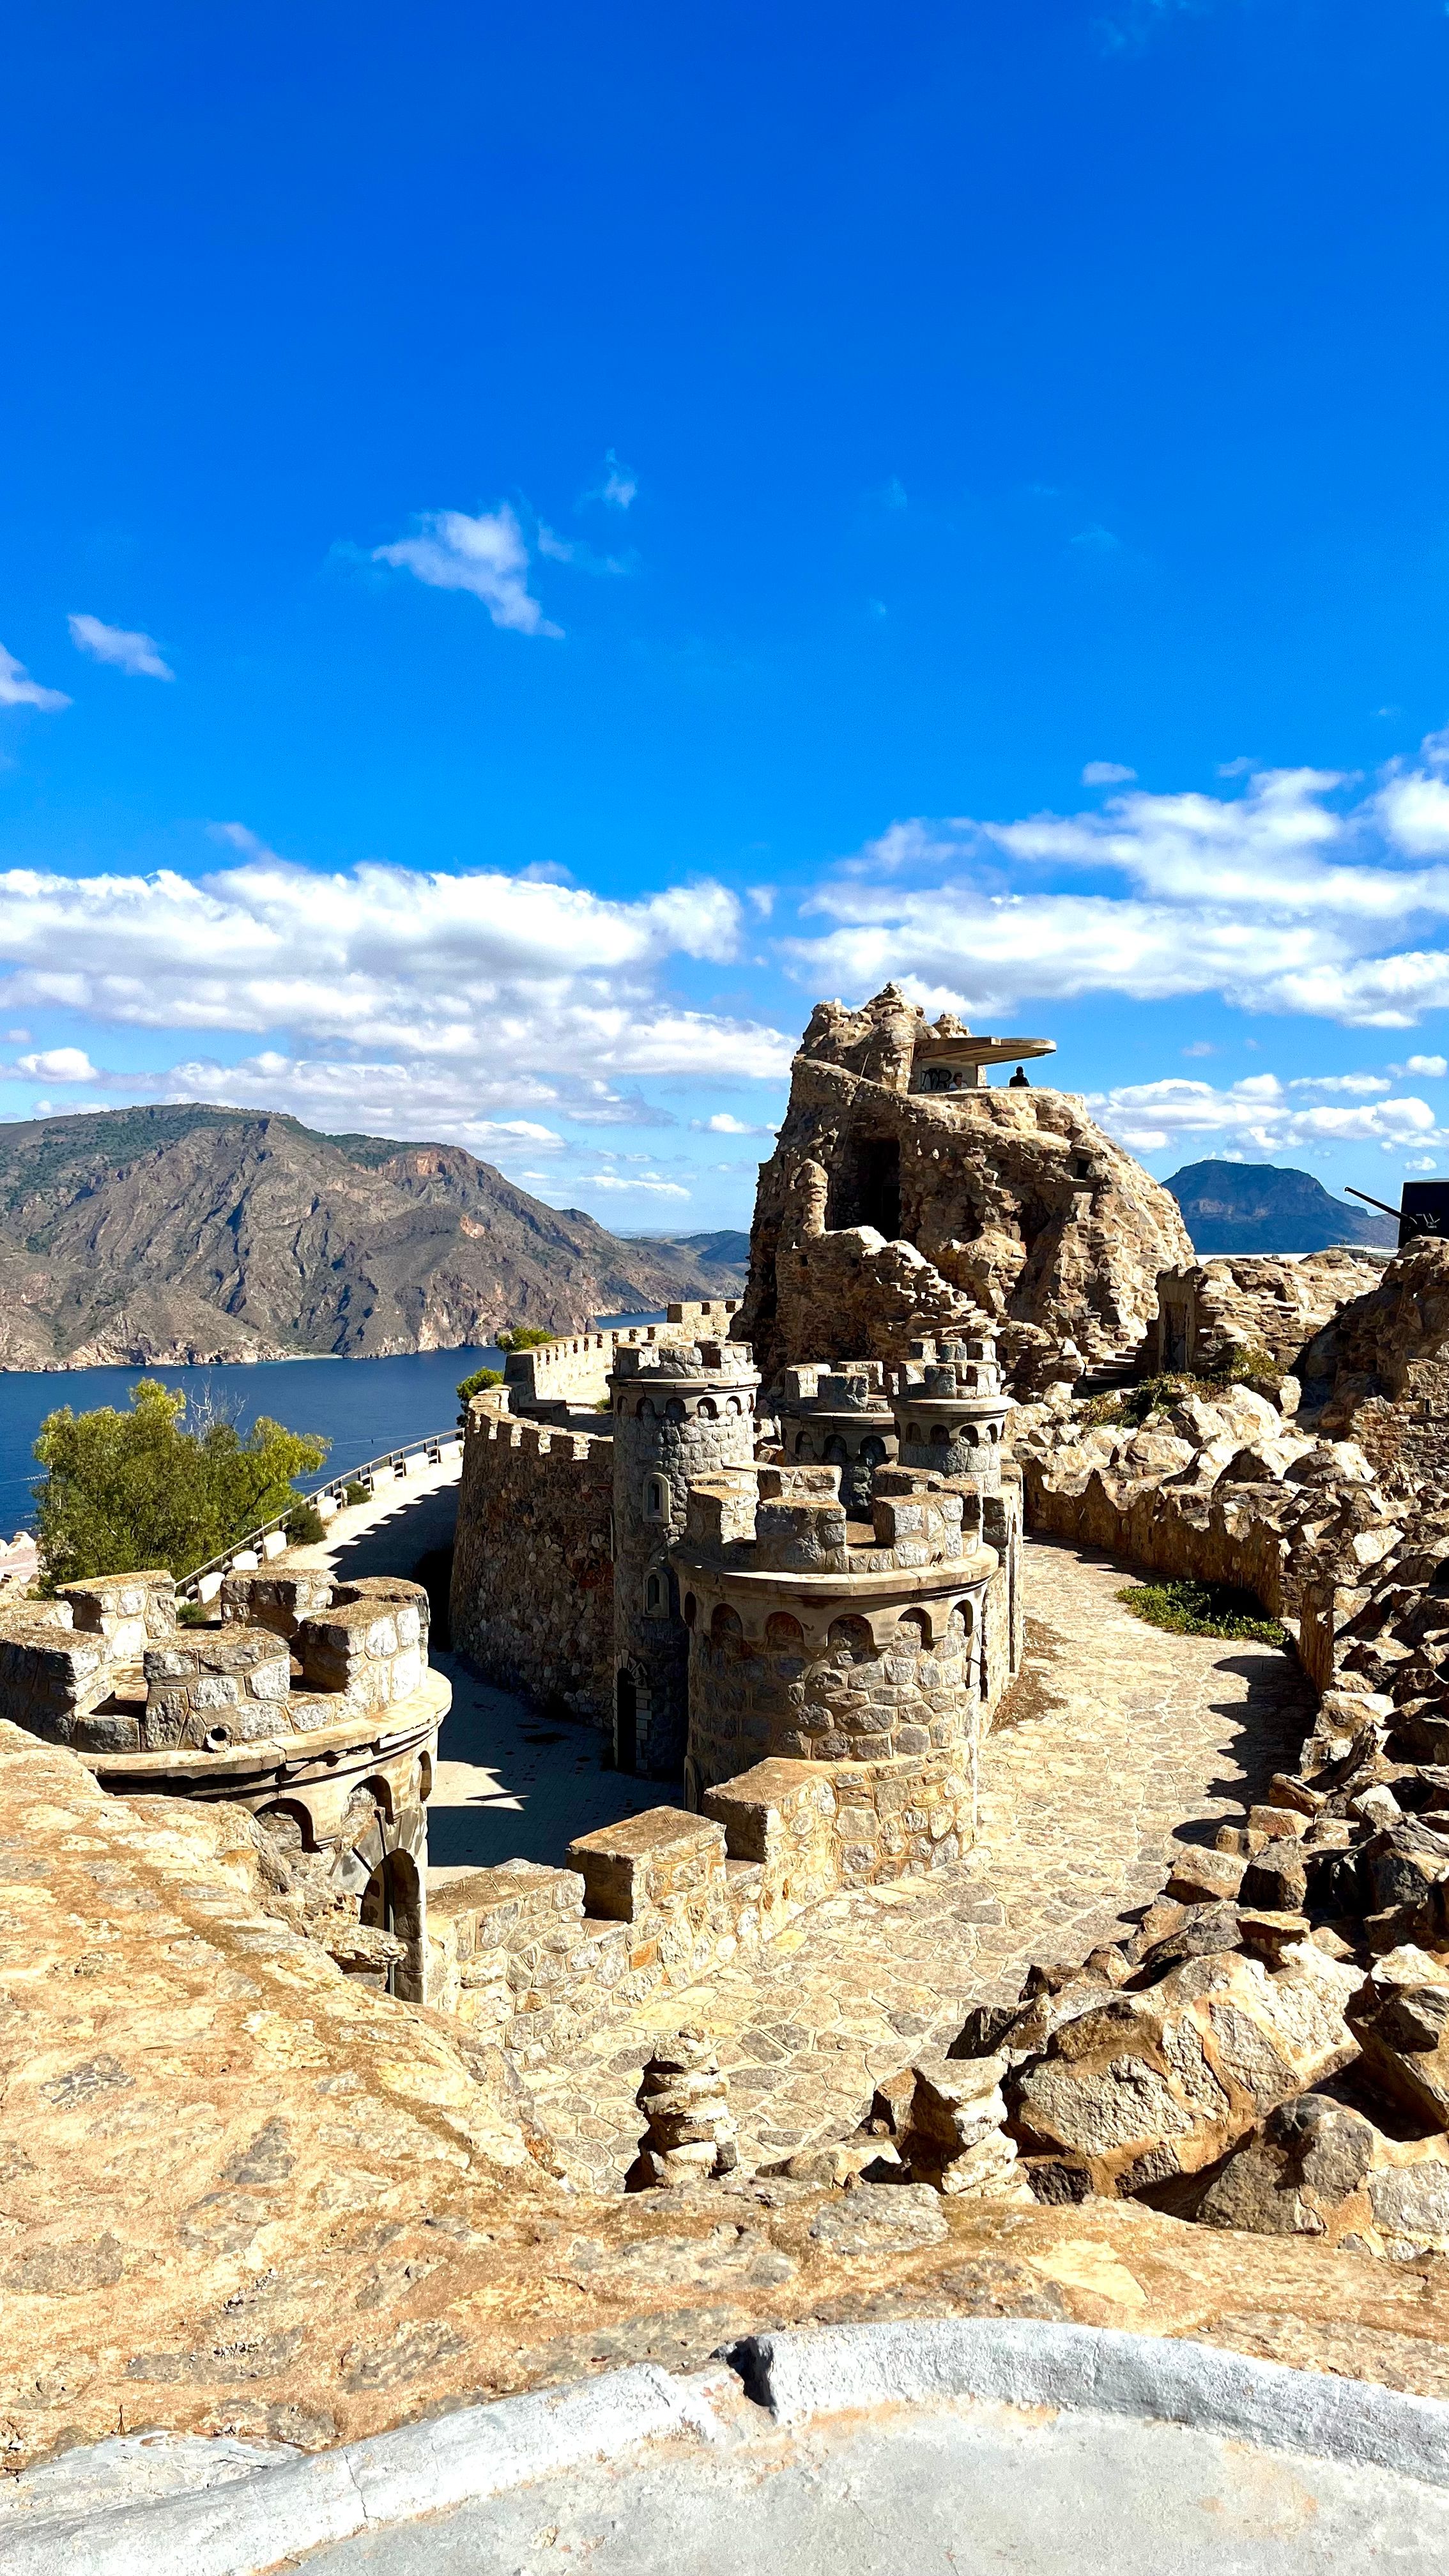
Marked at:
<point>1192,1609</point>
<point>193,1614</point>
<point>127,1490</point>
<point>525,1337</point>
<point>475,1384</point>
<point>305,1526</point>
<point>354,1493</point>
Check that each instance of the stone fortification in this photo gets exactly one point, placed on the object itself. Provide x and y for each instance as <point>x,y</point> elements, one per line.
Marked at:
<point>1210,1312</point>
<point>682,1410</point>
<point>838,1417</point>
<point>822,1639</point>
<point>570,1374</point>
<point>886,1211</point>
<point>532,1599</point>
<point>312,1705</point>
<point>1379,1371</point>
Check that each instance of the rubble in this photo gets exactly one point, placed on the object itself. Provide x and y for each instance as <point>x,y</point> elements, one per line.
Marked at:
<point>691,2132</point>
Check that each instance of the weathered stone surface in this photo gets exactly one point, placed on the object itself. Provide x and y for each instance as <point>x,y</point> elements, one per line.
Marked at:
<point>1160,2082</point>
<point>1380,1369</point>
<point>1318,2167</point>
<point>1209,1312</point>
<point>884,1211</point>
<point>1401,2021</point>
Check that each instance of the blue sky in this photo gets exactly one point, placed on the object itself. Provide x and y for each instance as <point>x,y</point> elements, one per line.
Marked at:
<point>537,542</point>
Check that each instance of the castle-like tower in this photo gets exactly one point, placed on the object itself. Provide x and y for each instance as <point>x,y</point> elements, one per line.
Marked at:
<point>682,1410</point>
<point>839,1417</point>
<point>812,1640</point>
<point>951,1406</point>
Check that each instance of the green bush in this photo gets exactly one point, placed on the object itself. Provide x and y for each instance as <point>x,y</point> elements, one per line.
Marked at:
<point>353,1493</point>
<point>1192,1609</point>
<point>1251,1368</point>
<point>525,1337</point>
<point>475,1384</point>
<point>193,1614</point>
<point>122,1491</point>
<point>305,1526</point>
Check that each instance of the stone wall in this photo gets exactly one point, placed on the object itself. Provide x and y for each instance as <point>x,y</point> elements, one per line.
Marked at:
<point>532,1600</point>
<point>1379,1372</point>
<point>1210,1312</point>
<point>538,1959</point>
<point>571,1373</point>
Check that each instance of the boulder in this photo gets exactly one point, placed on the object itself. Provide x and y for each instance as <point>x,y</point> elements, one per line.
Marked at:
<point>1162,2082</point>
<point>1401,2022</point>
<point>1316,2167</point>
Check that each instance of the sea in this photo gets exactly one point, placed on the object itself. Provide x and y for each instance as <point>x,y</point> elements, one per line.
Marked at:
<point>364,1407</point>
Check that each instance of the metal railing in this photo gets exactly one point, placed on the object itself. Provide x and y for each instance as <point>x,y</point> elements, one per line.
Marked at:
<point>392,1464</point>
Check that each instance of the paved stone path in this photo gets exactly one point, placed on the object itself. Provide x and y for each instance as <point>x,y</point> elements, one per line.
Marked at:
<point>1116,1739</point>
<point>511,1784</point>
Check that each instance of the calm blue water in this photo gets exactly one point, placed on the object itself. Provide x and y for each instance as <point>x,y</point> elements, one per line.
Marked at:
<point>362,1406</point>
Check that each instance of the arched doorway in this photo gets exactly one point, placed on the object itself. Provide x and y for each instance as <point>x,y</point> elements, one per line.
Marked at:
<point>391,1902</point>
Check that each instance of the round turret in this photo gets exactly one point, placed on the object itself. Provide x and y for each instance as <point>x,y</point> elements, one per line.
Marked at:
<point>950,1409</point>
<point>682,1410</point>
<point>842,1418</point>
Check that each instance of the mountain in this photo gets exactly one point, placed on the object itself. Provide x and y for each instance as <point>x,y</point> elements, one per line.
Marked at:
<point>1256,1207</point>
<point>727,1250</point>
<point>193,1233</point>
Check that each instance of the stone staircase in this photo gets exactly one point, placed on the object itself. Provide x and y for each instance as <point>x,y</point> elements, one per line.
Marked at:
<point>1112,1376</point>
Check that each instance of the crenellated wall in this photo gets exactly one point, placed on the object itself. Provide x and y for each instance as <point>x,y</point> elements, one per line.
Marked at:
<point>533,1579</point>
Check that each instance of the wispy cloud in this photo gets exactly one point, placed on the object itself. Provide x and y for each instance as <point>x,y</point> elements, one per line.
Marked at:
<point>1258,1112</point>
<point>17,689</point>
<point>487,556</point>
<point>723,1124</point>
<point>1307,892</point>
<point>1131,24</point>
<point>617,486</point>
<point>124,647</point>
<point>1107,773</point>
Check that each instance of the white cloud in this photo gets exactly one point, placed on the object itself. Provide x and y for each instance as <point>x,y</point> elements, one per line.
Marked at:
<point>1275,898</point>
<point>486,556</point>
<point>619,487</point>
<point>722,1124</point>
<point>17,689</point>
<point>125,648</point>
<point>1106,773</point>
<point>420,1004</point>
<point>1256,1112</point>
<point>1427,1067</point>
<point>59,1064</point>
<point>1365,1085</point>
<point>635,1181</point>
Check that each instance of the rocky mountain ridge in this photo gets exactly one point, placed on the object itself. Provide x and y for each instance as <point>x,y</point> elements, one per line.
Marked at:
<point>1260,1207</point>
<point>192,1234</point>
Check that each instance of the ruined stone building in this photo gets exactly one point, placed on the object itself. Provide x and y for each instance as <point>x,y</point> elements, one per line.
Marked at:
<point>906,1196</point>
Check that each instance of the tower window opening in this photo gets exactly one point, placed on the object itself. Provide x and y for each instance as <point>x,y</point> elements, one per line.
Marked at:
<point>656,1498</point>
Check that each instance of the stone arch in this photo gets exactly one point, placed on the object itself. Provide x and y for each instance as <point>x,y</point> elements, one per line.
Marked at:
<point>289,1823</point>
<point>784,1634</point>
<point>691,1609</point>
<point>392,1901</point>
<point>656,1498</point>
<point>940,1436</point>
<point>733,1404</point>
<point>425,1778</point>
<point>656,1592</point>
<point>836,1452</point>
<point>913,1434</point>
<point>707,1410</point>
<point>674,1410</point>
<point>850,1641</point>
<point>804,1446</point>
<point>913,1632</point>
<point>724,1623</point>
<point>872,1453</point>
<point>646,1408</point>
<point>380,1792</point>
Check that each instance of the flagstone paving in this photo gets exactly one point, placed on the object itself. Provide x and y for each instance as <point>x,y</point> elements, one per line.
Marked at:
<point>1117,1740</point>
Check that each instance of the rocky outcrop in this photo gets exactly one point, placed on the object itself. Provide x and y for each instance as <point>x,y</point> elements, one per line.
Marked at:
<point>886,1212</point>
<point>1380,1371</point>
<point>196,1234</point>
<point>1212,1314</point>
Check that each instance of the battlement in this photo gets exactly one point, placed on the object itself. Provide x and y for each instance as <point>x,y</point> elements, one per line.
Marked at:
<point>792,1520</point>
<point>573,1369</point>
<point>532,1594</point>
<point>678,1360</point>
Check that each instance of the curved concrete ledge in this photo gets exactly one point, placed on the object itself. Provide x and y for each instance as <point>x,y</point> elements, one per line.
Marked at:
<point>1092,2369</point>
<point>232,2518</point>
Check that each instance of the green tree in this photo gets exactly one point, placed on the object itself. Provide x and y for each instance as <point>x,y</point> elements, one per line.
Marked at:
<point>127,1490</point>
<point>525,1337</point>
<point>475,1384</point>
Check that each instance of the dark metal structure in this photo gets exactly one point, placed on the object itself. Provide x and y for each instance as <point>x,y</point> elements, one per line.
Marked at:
<point>1424,1209</point>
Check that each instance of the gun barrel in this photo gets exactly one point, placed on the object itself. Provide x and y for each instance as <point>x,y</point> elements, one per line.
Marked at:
<point>1381,1204</point>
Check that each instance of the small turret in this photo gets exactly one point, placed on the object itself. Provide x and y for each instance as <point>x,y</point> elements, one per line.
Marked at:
<point>950,1407</point>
